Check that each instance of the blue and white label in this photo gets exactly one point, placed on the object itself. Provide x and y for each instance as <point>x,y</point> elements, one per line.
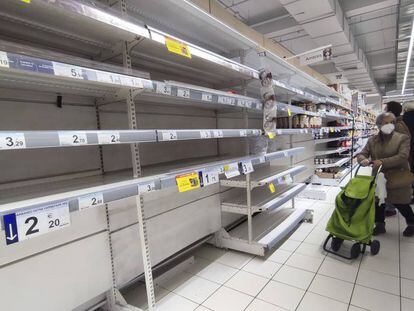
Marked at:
<point>37,221</point>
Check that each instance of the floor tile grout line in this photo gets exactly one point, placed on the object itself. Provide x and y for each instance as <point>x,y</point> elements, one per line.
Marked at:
<point>291,254</point>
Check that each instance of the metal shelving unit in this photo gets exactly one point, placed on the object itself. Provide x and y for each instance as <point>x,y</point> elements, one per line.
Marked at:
<point>338,163</point>
<point>107,35</point>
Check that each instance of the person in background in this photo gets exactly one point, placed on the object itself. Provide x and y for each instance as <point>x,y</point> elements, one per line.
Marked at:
<point>400,124</point>
<point>390,150</point>
<point>400,127</point>
<point>408,118</point>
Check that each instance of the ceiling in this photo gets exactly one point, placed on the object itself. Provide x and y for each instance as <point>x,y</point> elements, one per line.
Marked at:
<point>365,50</point>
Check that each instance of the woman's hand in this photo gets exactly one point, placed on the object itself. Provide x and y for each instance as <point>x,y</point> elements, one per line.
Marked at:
<point>376,163</point>
<point>365,162</point>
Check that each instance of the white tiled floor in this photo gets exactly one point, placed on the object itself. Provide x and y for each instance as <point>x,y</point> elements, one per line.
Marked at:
<point>298,275</point>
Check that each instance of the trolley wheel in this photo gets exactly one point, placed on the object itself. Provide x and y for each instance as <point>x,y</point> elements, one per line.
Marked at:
<point>355,250</point>
<point>336,244</point>
<point>375,247</point>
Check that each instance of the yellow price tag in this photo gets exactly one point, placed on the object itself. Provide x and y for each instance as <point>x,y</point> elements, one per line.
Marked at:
<point>289,112</point>
<point>177,47</point>
<point>226,168</point>
<point>25,1</point>
<point>272,188</point>
<point>271,135</point>
<point>187,182</point>
<point>331,129</point>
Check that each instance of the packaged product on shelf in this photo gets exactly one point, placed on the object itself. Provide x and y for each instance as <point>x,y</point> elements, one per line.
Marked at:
<point>268,95</point>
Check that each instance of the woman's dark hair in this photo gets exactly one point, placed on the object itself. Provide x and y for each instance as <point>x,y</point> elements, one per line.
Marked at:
<point>395,108</point>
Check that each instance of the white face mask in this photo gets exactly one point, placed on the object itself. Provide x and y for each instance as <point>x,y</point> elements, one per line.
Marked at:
<point>387,128</point>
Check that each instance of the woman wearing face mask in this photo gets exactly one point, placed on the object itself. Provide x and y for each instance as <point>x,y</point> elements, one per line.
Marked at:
<point>391,150</point>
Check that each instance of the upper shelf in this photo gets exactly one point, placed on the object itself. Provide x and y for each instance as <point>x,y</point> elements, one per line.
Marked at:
<point>97,25</point>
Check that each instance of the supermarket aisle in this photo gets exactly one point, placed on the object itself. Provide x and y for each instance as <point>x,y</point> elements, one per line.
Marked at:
<point>297,276</point>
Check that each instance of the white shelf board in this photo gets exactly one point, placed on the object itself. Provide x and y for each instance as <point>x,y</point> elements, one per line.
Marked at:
<point>327,140</point>
<point>331,151</point>
<point>263,176</point>
<point>338,163</point>
<point>261,199</point>
<point>271,228</point>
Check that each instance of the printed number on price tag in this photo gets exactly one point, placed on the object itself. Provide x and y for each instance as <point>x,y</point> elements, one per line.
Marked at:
<point>109,138</point>
<point>247,167</point>
<point>37,221</point>
<point>218,134</point>
<point>72,139</point>
<point>4,60</point>
<point>207,97</point>
<point>169,135</point>
<point>183,93</point>
<point>205,134</point>
<point>163,88</point>
<point>209,177</point>
<point>12,141</point>
<point>90,200</point>
<point>67,70</point>
<point>150,186</point>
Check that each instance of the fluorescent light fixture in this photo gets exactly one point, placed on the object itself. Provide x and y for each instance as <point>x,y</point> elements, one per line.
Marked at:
<point>398,96</point>
<point>407,64</point>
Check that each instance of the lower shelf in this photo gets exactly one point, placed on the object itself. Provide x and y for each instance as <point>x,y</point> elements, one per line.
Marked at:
<point>261,199</point>
<point>268,229</point>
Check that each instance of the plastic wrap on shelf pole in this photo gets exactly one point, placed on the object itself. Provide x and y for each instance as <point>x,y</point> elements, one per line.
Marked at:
<point>270,106</point>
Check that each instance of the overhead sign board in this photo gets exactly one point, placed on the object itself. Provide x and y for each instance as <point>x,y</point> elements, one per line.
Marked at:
<point>316,56</point>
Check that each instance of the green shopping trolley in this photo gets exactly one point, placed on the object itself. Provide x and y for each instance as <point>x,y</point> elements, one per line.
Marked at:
<point>354,217</point>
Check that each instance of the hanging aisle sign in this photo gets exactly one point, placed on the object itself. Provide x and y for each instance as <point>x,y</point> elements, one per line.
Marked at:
<point>177,47</point>
<point>316,56</point>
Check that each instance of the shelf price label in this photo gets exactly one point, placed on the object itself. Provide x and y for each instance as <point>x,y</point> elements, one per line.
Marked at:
<point>169,135</point>
<point>205,134</point>
<point>90,200</point>
<point>207,97</point>
<point>226,100</point>
<point>246,167</point>
<point>146,187</point>
<point>4,60</point>
<point>185,93</point>
<point>272,188</point>
<point>73,138</point>
<point>289,112</point>
<point>109,138</point>
<point>105,138</point>
<point>231,170</point>
<point>243,133</point>
<point>218,134</point>
<point>12,141</point>
<point>177,47</point>
<point>187,182</point>
<point>37,221</point>
<point>208,177</point>
<point>69,71</point>
<point>163,88</point>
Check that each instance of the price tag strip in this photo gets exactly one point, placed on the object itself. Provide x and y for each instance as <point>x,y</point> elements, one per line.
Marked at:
<point>12,141</point>
<point>208,177</point>
<point>205,134</point>
<point>207,97</point>
<point>218,134</point>
<point>162,88</point>
<point>185,93</point>
<point>146,187</point>
<point>72,138</point>
<point>4,60</point>
<point>109,137</point>
<point>34,222</point>
<point>231,170</point>
<point>246,167</point>
<point>90,200</point>
<point>187,182</point>
<point>169,135</point>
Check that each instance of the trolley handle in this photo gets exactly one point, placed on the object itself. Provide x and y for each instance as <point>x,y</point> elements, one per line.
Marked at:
<point>376,175</point>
